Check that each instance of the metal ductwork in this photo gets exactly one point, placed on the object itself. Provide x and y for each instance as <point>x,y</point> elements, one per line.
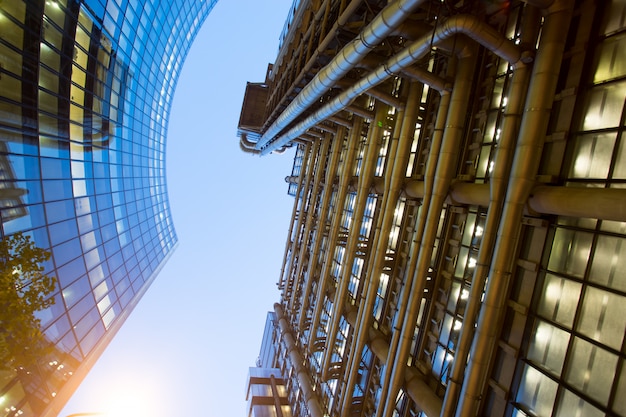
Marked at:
<point>382,25</point>
<point>247,146</point>
<point>468,25</point>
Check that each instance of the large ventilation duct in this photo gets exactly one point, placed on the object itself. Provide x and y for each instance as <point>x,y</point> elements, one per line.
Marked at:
<point>382,25</point>
<point>461,24</point>
<point>247,145</point>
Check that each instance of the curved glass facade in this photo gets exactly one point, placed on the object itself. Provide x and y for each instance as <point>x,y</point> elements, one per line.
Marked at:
<point>85,93</point>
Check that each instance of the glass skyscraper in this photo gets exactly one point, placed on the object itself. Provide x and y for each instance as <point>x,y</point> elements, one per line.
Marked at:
<point>458,239</point>
<point>86,88</point>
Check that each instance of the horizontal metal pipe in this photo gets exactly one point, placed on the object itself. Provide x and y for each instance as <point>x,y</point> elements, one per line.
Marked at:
<point>374,33</point>
<point>466,24</point>
<point>597,203</point>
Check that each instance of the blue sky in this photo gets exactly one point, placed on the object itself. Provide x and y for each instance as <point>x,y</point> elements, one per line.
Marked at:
<point>186,349</point>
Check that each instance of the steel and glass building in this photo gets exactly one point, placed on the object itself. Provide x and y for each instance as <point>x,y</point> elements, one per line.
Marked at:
<point>458,238</point>
<point>86,88</point>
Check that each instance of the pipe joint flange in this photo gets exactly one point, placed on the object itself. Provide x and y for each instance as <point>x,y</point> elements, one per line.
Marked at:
<point>364,42</point>
<point>528,56</point>
<point>389,72</point>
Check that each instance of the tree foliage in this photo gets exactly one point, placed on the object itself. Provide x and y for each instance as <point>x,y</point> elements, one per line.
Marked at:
<point>24,290</point>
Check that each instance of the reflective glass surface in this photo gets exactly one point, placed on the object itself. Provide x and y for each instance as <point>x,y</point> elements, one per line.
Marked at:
<point>85,93</point>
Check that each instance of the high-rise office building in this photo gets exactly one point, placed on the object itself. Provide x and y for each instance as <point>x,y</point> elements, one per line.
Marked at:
<point>458,240</point>
<point>266,390</point>
<point>86,88</point>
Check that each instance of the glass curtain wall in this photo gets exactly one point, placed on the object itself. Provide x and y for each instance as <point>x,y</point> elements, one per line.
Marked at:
<point>85,93</point>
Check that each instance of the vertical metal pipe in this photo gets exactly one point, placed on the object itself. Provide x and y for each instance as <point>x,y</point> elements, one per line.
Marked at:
<point>445,172</point>
<point>284,281</point>
<point>304,378</point>
<point>276,396</point>
<point>497,188</point>
<point>394,177</point>
<point>397,150</point>
<point>525,166</point>
<point>320,160</point>
<point>333,234</point>
<point>331,173</point>
<point>365,180</point>
<point>303,195</point>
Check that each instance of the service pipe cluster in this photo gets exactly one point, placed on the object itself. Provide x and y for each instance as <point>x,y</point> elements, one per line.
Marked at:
<point>344,182</point>
<point>304,378</point>
<point>331,172</point>
<point>374,33</point>
<point>522,180</point>
<point>468,25</point>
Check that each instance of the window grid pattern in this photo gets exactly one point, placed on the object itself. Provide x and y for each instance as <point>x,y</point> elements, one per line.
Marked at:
<point>577,331</point>
<point>83,120</point>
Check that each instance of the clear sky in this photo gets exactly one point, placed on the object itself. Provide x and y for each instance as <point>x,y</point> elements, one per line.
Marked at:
<point>186,349</point>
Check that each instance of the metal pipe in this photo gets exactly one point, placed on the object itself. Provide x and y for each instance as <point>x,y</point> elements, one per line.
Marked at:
<point>302,215</point>
<point>397,154</point>
<point>469,193</point>
<point>444,173</point>
<point>468,25</point>
<point>376,93</point>
<point>320,159</point>
<point>304,378</point>
<point>598,203</point>
<point>419,229</point>
<point>285,283</point>
<point>360,111</point>
<point>248,150</point>
<point>374,33</point>
<point>424,76</point>
<point>245,142</point>
<point>341,121</point>
<point>494,199</point>
<point>276,396</point>
<point>392,188</point>
<point>344,181</point>
<point>327,192</point>
<point>525,166</point>
<point>372,147</point>
<point>341,20</point>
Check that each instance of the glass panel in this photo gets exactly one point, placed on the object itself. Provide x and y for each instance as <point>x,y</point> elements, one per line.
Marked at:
<point>606,268</point>
<point>619,166</point>
<point>548,347</point>
<point>609,59</point>
<point>592,156</point>
<point>614,16</point>
<point>559,299</point>
<point>602,317</point>
<point>537,392</point>
<point>570,252</point>
<point>572,406</point>
<point>604,105</point>
<point>589,368</point>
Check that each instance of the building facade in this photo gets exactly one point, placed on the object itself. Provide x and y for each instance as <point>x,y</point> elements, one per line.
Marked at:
<point>458,234</point>
<point>85,93</point>
<point>266,391</point>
